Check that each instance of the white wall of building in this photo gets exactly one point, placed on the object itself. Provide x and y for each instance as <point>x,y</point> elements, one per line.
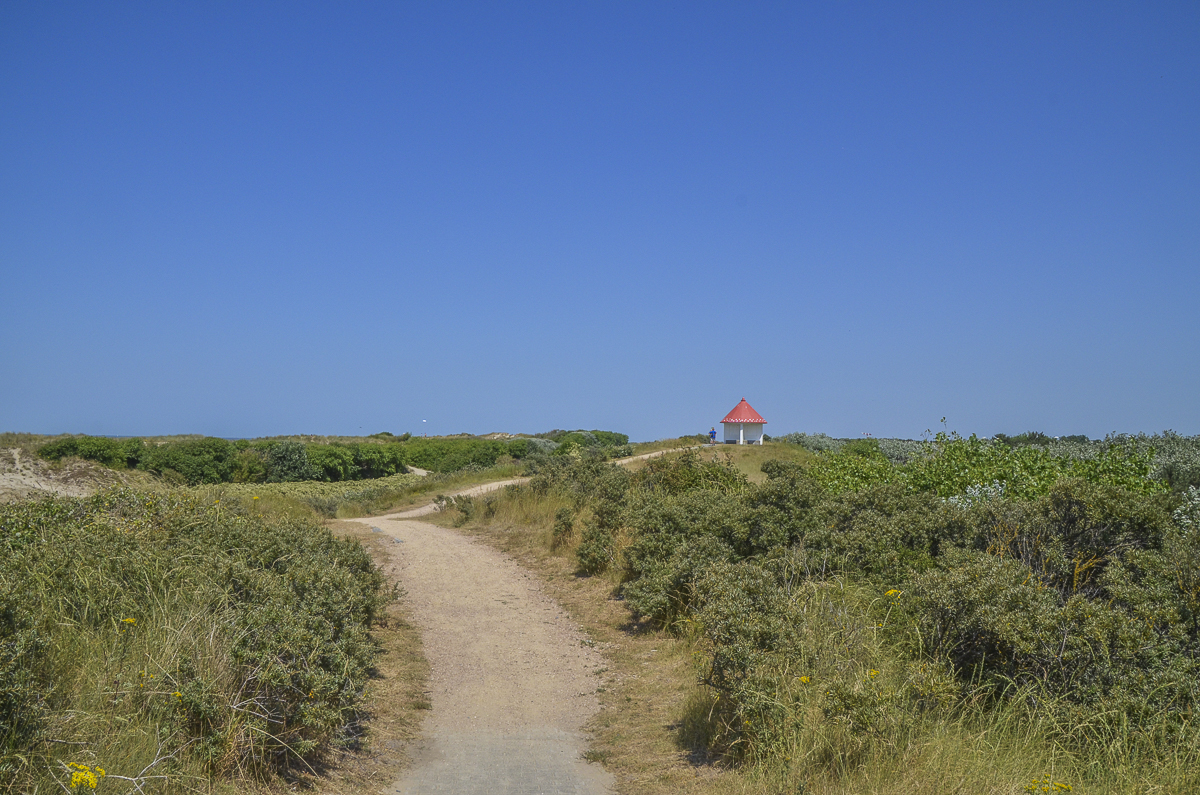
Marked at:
<point>743,432</point>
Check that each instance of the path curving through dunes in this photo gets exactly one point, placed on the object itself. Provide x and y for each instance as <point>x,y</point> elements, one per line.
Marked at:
<point>511,683</point>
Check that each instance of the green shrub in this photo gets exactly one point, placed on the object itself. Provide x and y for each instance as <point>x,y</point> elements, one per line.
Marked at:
<point>250,466</point>
<point>839,473</point>
<point>844,606</point>
<point>22,682</point>
<point>593,437</point>
<point>689,471</point>
<point>884,533</point>
<point>195,461</point>
<point>595,550</point>
<point>564,527</point>
<point>664,588</point>
<point>289,461</point>
<point>336,462</point>
<point>867,448</point>
<point>120,453</point>
<point>451,455</point>
<point>236,641</point>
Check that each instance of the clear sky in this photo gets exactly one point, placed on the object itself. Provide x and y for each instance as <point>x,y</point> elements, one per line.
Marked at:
<point>246,219</point>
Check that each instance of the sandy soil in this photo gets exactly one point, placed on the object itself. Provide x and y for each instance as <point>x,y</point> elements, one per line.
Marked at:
<point>24,475</point>
<point>512,678</point>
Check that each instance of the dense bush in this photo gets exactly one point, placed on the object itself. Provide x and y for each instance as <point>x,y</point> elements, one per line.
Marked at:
<point>355,461</point>
<point>897,451</point>
<point>287,462</point>
<point>195,461</point>
<point>119,453</point>
<point>593,437</point>
<point>951,465</point>
<point>231,641</point>
<point>450,455</point>
<point>1176,459</point>
<point>862,594</point>
<point>211,460</point>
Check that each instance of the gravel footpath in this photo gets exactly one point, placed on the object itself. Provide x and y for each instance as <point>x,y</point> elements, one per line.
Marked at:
<point>511,680</point>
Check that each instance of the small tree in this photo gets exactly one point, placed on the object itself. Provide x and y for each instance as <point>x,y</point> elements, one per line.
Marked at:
<point>288,461</point>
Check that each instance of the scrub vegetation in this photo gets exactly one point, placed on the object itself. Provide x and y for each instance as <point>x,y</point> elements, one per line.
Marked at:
<point>207,460</point>
<point>216,636</point>
<point>1176,459</point>
<point>974,615</point>
<point>814,615</point>
<point>156,642</point>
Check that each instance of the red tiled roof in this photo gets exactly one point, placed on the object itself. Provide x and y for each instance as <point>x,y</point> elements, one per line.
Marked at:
<point>743,412</point>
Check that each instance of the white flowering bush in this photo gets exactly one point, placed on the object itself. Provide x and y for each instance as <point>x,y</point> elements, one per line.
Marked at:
<point>1188,515</point>
<point>980,493</point>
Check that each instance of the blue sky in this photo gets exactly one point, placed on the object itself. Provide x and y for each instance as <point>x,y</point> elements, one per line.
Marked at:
<point>250,219</point>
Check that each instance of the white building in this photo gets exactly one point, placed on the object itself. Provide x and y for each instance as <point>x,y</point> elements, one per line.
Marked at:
<point>743,425</point>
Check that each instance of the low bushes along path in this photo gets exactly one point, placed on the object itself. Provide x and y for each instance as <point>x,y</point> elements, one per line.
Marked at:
<point>511,680</point>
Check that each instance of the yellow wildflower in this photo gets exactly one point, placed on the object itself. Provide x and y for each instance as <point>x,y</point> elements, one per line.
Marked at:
<point>82,774</point>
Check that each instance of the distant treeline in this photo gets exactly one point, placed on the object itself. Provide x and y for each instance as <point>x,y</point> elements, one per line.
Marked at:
<point>212,460</point>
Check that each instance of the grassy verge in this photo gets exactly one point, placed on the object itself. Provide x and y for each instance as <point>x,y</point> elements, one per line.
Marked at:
<point>350,499</point>
<point>641,448</point>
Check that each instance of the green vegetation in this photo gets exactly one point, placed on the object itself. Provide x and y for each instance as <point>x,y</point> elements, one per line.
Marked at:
<point>641,448</point>
<point>871,623</point>
<point>211,460</point>
<point>194,461</point>
<point>321,499</point>
<point>1175,458</point>
<point>154,642</point>
<point>749,458</point>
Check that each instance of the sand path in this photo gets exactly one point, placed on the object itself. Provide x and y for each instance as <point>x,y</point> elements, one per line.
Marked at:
<point>512,681</point>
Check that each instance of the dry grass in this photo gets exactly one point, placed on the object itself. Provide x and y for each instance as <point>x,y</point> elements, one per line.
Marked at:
<point>348,499</point>
<point>27,442</point>
<point>749,458</point>
<point>641,448</point>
